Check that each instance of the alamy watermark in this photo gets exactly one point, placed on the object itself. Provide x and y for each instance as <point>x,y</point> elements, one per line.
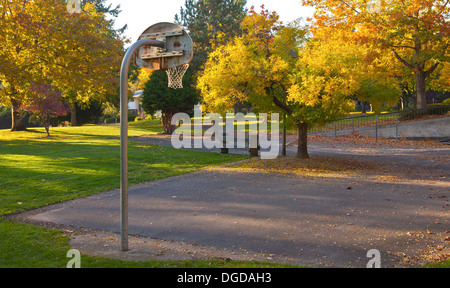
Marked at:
<point>222,134</point>
<point>375,262</point>
<point>74,6</point>
<point>374,6</point>
<point>75,262</point>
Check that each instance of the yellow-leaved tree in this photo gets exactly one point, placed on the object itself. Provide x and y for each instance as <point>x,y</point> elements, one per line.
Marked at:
<point>275,69</point>
<point>42,42</point>
<point>415,33</point>
<point>331,71</point>
<point>334,68</point>
<point>254,67</point>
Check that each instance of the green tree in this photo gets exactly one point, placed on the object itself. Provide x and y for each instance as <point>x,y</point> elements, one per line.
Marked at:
<point>102,7</point>
<point>211,23</point>
<point>159,97</point>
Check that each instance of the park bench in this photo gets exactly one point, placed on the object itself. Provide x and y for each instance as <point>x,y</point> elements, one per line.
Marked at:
<point>251,143</point>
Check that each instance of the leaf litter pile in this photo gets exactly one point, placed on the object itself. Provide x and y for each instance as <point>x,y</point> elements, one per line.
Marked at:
<point>347,169</point>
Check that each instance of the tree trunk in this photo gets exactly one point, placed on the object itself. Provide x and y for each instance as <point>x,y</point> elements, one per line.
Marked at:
<point>302,149</point>
<point>215,36</point>
<point>73,115</point>
<point>421,75</point>
<point>421,92</point>
<point>16,115</point>
<point>364,104</point>
<point>166,119</point>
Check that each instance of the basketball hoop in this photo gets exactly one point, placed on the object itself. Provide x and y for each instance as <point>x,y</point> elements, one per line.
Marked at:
<point>174,57</point>
<point>163,46</point>
<point>176,75</point>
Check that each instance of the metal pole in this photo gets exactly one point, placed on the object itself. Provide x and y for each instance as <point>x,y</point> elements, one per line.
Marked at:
<point>283,152</point>
<point>353,123</point>
<point>376,128</point>
<point>396,131</point>
<point>124,135</point>
<point>335,130</point>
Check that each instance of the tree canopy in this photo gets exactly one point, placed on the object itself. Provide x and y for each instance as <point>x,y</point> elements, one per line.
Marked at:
<point>211,23</point>
<point>278,67</point>
<point>255,67</point>
<point>42,42</point>
<point>414,32</point>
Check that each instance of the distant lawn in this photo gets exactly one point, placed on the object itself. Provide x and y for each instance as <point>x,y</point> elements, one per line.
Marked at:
<point>75,162</point>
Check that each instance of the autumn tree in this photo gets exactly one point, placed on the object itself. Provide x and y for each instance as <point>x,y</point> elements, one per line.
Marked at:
<point>143,77</point>
<point>256,67</point>
<point>415,32</point>
<point>75,53</point>
<point>331,69</point>
<point>87,66</point>
<point>442,80</point>
<point>16,69</point>
<point>313,82</point>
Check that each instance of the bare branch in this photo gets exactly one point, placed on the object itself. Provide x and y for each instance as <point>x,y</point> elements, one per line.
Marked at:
<point>410,66</point>
<point>443,7</point>
<point>281,105</point>
<point>404,46</point>
<point>431,70</point>
<point>348,5</point>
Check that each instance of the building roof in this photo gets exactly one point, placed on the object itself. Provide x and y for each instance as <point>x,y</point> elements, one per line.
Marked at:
<point>138,94</point>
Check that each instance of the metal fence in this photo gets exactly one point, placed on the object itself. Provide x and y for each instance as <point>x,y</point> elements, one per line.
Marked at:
<point>351,124</point>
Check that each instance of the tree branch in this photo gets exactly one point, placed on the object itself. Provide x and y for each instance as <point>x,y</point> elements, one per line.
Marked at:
<point>404,46</point>
<point>410,66</point>
<point>431,70</point>
<point>443,7</point>
<point>350,6</point>
<point>283,106</point>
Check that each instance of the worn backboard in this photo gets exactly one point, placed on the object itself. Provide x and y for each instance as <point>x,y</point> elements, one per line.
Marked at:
<point>178,48</point>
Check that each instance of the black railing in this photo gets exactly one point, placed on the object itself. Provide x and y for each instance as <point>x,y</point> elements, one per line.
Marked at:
<point>375,120</point>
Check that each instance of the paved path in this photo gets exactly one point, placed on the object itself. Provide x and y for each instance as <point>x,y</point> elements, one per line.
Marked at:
<point>228,213</point>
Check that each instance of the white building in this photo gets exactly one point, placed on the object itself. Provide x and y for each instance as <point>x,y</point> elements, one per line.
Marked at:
<point>134,106</point>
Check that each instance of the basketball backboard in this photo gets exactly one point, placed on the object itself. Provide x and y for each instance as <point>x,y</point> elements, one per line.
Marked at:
<point>178,48</point>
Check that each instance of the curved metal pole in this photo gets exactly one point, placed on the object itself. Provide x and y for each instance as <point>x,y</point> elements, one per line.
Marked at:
<point>124,135</point>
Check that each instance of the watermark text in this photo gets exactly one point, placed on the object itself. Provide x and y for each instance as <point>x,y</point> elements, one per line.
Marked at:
<point>252,132</point>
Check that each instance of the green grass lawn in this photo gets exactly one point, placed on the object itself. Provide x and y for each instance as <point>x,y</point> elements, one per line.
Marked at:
<point>29,246</point>
<point>81,161</point>
<point>74,162</point>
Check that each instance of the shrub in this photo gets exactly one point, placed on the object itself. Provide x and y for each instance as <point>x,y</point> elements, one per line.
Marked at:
<point>5,112</point>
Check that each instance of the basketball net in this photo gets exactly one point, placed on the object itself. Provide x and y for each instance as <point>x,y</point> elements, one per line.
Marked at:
<point>176,75</point>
